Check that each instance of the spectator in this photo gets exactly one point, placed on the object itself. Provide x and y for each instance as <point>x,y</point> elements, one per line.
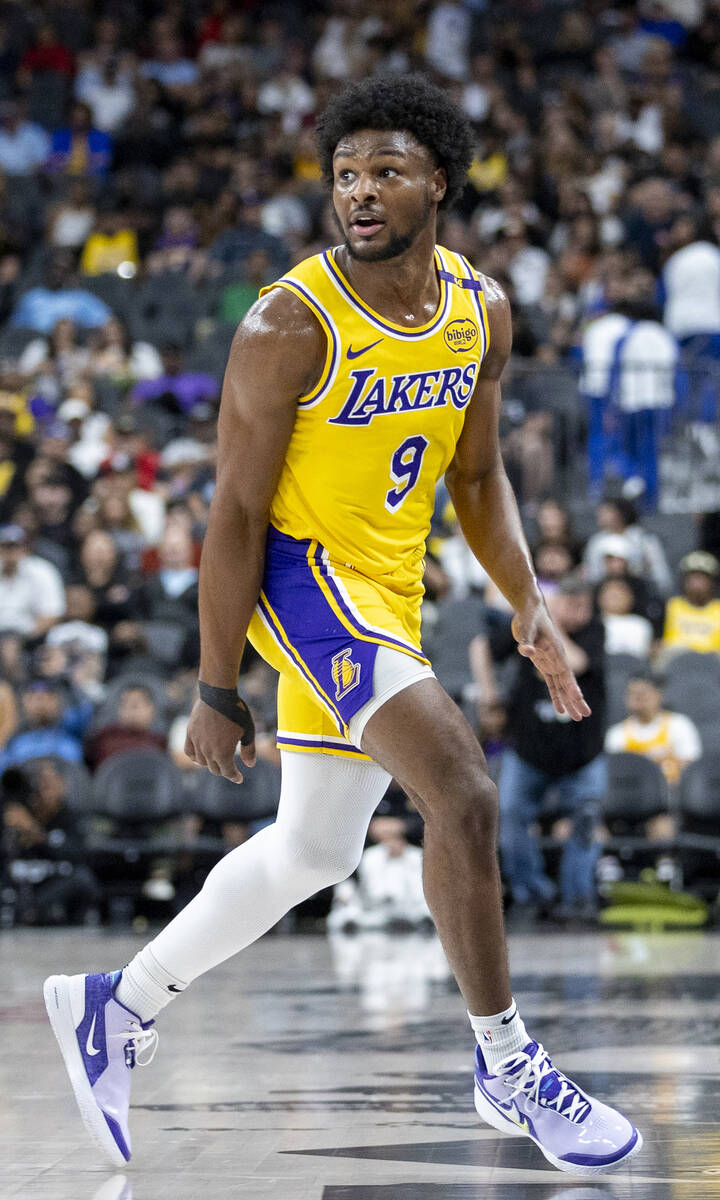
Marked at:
<point>40,308</point>
<point>389,893</point>
<point>79,148</point>
<point>24,146</point>
<point>132,730</point>
<point>109,93</point>
<point>115,355</point>
<point>172,594</point>
<point>48,54</point>
<point>237,298</point>
<point>691,287</point>
<point>168,66</point>
<point>692,620</point>
<point>112,244</point>
<point>670,739</point>
<point>69,222</point>
<point>625,631</point>
<point>551,752</point>
<point>101,571</point>
<point>44,727</point>
<point>58,356</point>
<point>646,556</point>
<point>176,390</point>
<point>44,844</point>
<point>32,597</point>
<point>553,563</point>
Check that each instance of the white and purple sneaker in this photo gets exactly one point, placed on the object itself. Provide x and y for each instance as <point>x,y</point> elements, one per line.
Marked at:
<point>100,1041</point>
<point>576,1133</point>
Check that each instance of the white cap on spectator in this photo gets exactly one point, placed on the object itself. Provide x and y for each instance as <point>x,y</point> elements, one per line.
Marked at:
<point>181,451</point>
<point>90,637</point>
<point>73,410</point>
<point>615,544</point>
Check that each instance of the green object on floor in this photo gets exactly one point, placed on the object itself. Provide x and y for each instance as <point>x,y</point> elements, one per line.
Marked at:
<point>653,916</point>
<point>653,895</point>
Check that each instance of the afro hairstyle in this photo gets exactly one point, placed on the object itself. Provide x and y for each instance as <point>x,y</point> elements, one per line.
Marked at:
<point>402,102</point>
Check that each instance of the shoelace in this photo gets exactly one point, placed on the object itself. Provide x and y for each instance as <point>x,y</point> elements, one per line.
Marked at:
<point>534,1075</point>
<point>140,1044</point>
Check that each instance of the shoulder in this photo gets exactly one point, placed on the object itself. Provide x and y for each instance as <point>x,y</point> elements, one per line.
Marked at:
<point>499,327</point>
<point>279,317</point>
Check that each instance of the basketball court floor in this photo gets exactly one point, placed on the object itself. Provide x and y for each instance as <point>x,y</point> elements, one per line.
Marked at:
<point>314,1070</point>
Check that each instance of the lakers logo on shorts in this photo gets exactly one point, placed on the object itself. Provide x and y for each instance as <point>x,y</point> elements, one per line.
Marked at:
<point>345,673</point>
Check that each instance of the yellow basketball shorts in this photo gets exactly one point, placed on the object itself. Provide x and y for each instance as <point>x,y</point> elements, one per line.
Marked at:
<point>321,624</point>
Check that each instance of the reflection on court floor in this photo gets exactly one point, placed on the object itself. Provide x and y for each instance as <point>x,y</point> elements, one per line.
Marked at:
<point>316,1069</point>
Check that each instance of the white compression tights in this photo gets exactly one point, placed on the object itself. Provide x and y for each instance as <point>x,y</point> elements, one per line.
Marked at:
<point>325,808</point>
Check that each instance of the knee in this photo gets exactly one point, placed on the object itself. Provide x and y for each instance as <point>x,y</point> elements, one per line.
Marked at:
<point>469,807</point>
<point>320,861</point>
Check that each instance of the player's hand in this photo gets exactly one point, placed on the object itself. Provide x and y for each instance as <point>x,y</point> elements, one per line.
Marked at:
<point>538,640</point>
<point>212,742</point>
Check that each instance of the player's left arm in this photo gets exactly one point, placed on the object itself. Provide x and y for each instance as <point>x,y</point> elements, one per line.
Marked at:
<point>488,513</point>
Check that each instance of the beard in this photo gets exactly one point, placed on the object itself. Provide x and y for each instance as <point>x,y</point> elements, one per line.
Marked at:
<point>397,244</point>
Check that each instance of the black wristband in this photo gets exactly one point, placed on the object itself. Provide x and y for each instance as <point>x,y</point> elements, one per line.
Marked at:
<point>227,702</point>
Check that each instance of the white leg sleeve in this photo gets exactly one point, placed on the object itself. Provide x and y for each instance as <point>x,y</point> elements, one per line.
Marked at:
<point>325,808</point>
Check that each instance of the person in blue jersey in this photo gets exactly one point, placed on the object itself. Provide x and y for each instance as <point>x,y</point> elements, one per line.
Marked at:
<point>353,384</point>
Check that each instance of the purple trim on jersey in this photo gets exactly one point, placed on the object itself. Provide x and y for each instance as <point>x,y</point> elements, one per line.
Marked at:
<point>470,285</point>
<point>374,317</point>
<point>357,624</point>
<point>275,628</point>
<point>305,741</point>
<point>476,297</point>
<point>313,397</point>
<point>596,1160</point>
<point>315,633</point>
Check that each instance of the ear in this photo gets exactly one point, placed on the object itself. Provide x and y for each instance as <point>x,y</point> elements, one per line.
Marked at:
<point>438,184</point>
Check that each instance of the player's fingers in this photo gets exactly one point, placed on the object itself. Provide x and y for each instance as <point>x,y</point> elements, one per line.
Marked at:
<point>555,695</point>
<point>189,748</point>
<point>248,755</point>
<point>229,770</point>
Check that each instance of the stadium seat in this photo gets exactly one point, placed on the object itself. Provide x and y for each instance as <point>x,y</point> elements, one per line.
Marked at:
<point>458,622</point>
<point>256,799</point>
<point>637,790</point>
<point>619,668</point>
<point>699,814</point>
<point>693,688</point>
<point>108,710</point>
<point>76,776</point>
<point>164,640</point>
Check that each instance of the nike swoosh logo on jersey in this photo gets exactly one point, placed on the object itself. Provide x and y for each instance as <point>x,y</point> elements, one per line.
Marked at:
<point>356,353</point>
<point>172,988</point>
<point>89,1046</point>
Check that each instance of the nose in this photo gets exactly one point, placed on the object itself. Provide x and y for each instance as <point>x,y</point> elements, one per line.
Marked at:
<point>365,188</point>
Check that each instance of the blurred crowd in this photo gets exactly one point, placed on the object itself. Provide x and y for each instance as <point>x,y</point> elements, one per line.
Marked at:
<point>157,168</point>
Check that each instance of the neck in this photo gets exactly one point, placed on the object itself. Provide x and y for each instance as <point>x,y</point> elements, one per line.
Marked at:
<point>406,284</point>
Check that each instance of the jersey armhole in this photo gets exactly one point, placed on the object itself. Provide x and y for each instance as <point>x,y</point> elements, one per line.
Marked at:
<point>332,349</point>
<point>479,298</point>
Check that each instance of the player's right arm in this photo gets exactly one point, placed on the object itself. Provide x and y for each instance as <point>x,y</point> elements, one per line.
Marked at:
<point>277,355</point>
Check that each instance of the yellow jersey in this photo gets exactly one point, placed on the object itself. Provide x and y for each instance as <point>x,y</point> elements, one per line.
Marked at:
<point>692,627</point>
<point>378,430</point>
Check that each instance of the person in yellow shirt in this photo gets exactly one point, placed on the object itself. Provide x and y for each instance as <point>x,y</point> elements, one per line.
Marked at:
<point>111,243</point>
<point>670,739</point>
<point>692,620</point>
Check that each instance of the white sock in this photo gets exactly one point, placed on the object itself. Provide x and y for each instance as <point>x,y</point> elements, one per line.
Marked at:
<point>145,987</point>
<point>500,1035</point>
<point>325,808</point>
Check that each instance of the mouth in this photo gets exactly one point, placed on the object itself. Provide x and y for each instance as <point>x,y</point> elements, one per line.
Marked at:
<point>366,225</point>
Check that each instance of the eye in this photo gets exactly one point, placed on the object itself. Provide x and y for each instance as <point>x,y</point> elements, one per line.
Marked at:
<point>388,171</point>
<point>345,174</point>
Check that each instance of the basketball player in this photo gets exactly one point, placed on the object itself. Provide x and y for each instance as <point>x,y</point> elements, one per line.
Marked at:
<point>354,383</point>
